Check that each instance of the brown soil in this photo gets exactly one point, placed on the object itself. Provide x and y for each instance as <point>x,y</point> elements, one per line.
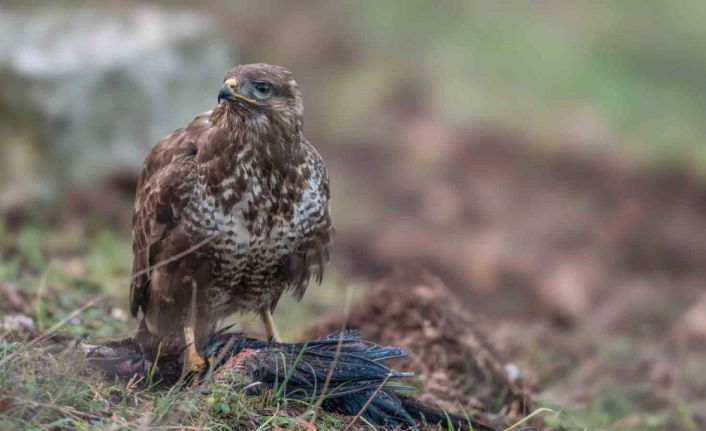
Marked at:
<point>457,367</point>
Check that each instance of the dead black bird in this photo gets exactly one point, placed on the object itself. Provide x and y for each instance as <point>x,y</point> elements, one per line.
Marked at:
<point>360,381</point>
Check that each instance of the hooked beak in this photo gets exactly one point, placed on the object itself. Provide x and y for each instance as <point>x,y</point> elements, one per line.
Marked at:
<point>228,92</point>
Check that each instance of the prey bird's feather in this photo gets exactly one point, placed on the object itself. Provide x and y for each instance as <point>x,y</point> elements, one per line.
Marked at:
<point>360,382</point>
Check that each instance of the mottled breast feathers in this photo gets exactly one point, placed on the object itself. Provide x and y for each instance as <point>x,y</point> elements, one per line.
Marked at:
<point>285,214</point>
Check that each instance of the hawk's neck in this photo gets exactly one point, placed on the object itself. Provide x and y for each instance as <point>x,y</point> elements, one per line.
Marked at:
<point>262,148</point>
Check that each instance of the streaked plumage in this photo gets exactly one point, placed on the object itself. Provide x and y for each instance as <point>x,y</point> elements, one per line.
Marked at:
<point>234,206</point>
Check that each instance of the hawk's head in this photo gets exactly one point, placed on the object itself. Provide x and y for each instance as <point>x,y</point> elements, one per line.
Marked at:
<point>263,89</point>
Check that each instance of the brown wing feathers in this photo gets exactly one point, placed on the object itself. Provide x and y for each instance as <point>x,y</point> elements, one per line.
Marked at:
<point>164,187</point>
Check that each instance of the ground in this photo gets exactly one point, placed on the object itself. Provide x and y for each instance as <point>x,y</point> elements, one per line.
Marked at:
<point>605,330</point>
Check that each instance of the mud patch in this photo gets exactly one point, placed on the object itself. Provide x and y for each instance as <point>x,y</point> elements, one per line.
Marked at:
<point>458,367</point>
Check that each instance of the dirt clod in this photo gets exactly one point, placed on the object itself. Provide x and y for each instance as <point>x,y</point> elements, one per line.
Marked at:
<point>457,366</point>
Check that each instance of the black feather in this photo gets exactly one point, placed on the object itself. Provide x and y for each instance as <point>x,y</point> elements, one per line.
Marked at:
<point>298,371</point>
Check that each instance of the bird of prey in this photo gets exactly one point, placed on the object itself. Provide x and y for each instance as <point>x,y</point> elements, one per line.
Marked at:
<point>231,211</point>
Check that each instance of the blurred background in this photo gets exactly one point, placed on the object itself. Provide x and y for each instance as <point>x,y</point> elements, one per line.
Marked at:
<point>544,160</point>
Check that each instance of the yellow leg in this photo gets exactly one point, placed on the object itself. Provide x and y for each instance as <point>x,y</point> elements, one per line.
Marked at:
<point>192,361</point>
<point>270,327</point>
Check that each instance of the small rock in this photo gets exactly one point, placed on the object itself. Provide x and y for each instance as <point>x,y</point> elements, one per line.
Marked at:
<point>119,314</point>
<point>565,292</point>
<point>693,324</point>
<point>513,371</point>
<point>18,322</point>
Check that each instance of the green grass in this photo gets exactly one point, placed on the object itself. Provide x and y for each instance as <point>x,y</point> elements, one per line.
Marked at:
<point>48,385</point>
<point>41,391</point>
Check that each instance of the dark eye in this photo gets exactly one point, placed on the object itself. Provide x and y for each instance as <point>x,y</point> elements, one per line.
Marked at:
<point>262,89</point>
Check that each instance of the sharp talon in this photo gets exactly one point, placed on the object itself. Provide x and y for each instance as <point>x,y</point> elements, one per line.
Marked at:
<point>193,362</point>
<point>194,365</point>
<point>191,371</point>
